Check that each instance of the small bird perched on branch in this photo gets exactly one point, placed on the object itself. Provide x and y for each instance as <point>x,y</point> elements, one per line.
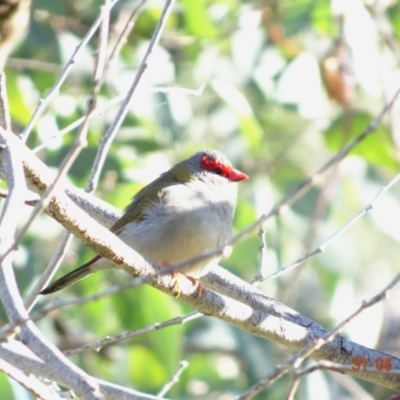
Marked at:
<point>187,210</point>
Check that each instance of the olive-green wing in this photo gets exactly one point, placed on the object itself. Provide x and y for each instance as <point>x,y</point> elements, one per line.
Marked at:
<point>147,196</point>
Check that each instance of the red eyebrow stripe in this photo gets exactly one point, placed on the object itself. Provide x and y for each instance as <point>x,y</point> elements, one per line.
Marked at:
<point>227,171</point>
<point>211,165</point>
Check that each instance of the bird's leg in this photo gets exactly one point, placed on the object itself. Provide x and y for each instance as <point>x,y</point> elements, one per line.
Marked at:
<point>198,285</point>
<point>175,286</point>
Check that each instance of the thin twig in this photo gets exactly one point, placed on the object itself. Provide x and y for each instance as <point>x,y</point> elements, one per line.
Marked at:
<point>101,54</point>
<point>50,270</point>
<point>5,120</point>
<point>292,389</point>
<point>319,211</point>
<point>106,141</point>
<point>29,201</point>
<point>56,88</point>
<point>325,244</point>
<point>99,344</point>
<point>58,303</point>
<point>101,109</point>
<point>36,65</point>
<point>97,111</point>
<point>262,257</point>
<point>130,23</point>
<point>183,364</point>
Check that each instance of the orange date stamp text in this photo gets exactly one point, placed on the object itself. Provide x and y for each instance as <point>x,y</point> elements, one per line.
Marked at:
<point>381,364</point>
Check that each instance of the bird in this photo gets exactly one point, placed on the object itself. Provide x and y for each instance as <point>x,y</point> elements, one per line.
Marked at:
<point>186,211</point>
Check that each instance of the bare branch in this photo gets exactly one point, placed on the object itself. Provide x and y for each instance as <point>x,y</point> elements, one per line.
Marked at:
<point>106,141</point>
<point>19,356</point>
<point>50,270</point>
<point>66,70</point>
<point>99,344</point>
<point>9,293</point>
<point>31,383</point>
<point>127,29</point>
<point>5,121</point>
<point>101,109</point>
<point>174,379</point>
<point>325,244</point>
<point>263,250</point>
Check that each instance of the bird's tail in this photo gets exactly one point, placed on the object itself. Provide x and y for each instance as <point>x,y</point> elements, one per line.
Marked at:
<point>72,277</point>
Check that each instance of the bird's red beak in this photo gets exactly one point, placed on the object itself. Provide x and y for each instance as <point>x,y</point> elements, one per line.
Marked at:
<point>236,175</point>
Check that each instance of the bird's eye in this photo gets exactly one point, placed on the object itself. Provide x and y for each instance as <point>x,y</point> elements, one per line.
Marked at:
<point>218,171</point>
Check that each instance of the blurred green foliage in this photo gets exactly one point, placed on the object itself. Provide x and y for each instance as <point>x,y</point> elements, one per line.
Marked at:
<point>274,102</point>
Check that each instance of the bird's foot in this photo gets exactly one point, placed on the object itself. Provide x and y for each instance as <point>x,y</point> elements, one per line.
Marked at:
<point>175,286</point>
<point>200,289</point>
<point>176,289</point>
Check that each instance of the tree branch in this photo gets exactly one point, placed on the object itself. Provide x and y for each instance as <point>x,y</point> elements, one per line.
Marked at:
<point>9,293</point>
<point>18,355</point>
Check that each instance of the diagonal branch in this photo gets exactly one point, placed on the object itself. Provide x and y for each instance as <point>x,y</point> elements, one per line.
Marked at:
<point>20,357</point>
<point>9,293</point>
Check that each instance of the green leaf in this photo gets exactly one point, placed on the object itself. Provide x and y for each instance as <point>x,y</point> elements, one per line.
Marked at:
<point>249,125</point>
<point>148,306</point>
<point>376,149</point>
<point>6,389</point>
<point>196,19</point>
<point>145,369</point>
<point>19,110</point>
<point>394,15</point>
<point>321,18</point>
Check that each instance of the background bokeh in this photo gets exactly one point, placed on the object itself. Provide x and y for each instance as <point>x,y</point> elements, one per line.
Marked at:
<point>282,86</point>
